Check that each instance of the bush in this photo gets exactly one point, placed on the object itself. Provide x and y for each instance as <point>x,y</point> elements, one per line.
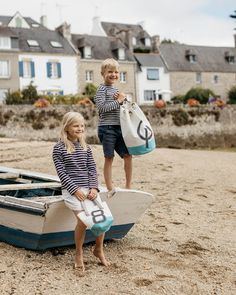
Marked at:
<point>90,90</point>
<point>200,94</point>
<point>178,99</point>
<point>232,95</point>
<point>14,97</point>
<point>29,94</point>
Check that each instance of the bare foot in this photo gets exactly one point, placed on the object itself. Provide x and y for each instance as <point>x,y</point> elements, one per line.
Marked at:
<point>79,264</point>
<point>100,255</point>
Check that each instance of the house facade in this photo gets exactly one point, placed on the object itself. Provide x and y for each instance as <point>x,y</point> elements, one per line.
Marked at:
<point>204,66</point>
<point>45,57</point>
<point>153,80</point>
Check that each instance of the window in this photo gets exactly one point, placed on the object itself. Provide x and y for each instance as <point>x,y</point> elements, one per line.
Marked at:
<point>230,59</point>
<point>152,74</point>
<point>121,54</point>
<point>3,93</point>
<point>215,79</point>
<point>5,43</point>
<point>123,77</point>
<point>56,44</point>
<point>53,70</point>
<point>87,52</point>
<point>134,41</point>
<point>26,69</point>
<point>18,22</point>
<point>4,69</point>
<point>147,42</point>
<point>192,58</point>
<point>89,76</point>
<point>33,43</point>
<point>198,78</point>
<point>149,95</point>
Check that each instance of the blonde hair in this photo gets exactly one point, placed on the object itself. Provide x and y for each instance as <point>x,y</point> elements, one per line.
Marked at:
<point>68,119</point>
<point>109,63</point>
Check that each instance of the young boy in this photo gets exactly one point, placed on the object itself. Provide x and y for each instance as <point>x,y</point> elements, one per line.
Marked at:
<point>108,100</point>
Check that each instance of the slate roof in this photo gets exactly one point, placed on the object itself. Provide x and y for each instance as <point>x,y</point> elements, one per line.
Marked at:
<point>208,59</point>
<point>149,60</point>
<point>102,47</point>
<point>40,34</point>
<point>113,29</point>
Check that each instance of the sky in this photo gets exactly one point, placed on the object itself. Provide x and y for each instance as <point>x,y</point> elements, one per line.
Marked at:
<point>196,22</point>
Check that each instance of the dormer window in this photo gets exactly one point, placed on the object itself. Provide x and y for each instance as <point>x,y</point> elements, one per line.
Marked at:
<point>33,43</point>
<point>191,56</point>
<point>230,58</point>
<point>18,22</point>
<point>5,43</point>
<point>121,54</point>
<point>147,42</point>
<point>56,44</point>
<point>87,52</point>
<point>134,41</point>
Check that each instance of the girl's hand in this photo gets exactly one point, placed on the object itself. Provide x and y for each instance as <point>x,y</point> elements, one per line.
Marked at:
<point>79,195</point>
<point>92,195</point>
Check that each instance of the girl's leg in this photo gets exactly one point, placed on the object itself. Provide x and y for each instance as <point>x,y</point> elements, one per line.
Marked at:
<point>128,170</point>
<point>108,172</point>
<point>98,250</point>
<point>80,230</point>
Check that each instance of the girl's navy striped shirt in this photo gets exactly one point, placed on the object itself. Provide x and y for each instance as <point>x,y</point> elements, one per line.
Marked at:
<point>76,169</point>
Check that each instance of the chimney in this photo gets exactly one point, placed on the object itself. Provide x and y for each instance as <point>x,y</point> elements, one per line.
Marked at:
<point>64,30</point>
<point>97,29</point>
<point>43,20</point>
<point>155,43</point>
<point>129,40</point>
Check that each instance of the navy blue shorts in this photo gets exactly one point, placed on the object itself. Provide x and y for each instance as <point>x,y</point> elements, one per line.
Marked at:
<point>112,140</point>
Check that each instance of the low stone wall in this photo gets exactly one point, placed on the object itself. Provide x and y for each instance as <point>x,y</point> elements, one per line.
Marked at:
<point>175,126</point>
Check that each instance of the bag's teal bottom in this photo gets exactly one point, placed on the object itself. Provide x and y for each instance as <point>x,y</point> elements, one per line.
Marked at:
<point>99,228</point>
<point>142,149</point>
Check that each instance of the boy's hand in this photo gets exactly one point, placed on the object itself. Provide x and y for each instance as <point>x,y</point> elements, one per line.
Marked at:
<point>120,97</point>
<point>79,195</point>
<point>92,195</point>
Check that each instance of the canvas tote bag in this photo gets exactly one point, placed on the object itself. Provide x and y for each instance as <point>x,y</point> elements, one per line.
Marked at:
<point>136,129</point>
<point>96,216</point>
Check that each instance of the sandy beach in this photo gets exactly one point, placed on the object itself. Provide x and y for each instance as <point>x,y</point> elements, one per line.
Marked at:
<point>185,243</point>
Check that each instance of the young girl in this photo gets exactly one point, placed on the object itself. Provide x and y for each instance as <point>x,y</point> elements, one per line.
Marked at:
<point>76,169</point>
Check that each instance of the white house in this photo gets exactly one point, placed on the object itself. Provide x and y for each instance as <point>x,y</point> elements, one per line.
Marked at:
<point>153,81</point>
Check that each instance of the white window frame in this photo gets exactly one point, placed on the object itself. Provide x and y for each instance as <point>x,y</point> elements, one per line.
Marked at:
<point>198,78</point>
<point>56,44</point>
<point>5,42</point>
<point>87,52</point>
<point>4,69</point>
<point>54,70</point>
<point>134,41</point>
<point>3,93</point>
<point>33,43</point>
<point>147,42</point>
<point>89,76</point>
<point>123,77</point>
<point>27,69</point>
<point>152,70</point>
<point>121,53</point>
<point>149,94</point>
<point>192,58</point>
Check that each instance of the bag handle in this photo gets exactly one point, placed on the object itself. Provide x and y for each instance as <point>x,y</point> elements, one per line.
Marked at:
<point>85,208</point>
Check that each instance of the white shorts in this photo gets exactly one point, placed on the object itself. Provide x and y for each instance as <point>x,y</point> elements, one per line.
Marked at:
<point>72,202</point>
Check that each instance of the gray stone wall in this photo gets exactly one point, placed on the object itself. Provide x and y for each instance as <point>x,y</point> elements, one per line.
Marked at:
<point>174,126</point>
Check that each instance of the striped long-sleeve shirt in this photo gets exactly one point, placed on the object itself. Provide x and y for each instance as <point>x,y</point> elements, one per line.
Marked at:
<point>76,169</point>
<point>108,107</point>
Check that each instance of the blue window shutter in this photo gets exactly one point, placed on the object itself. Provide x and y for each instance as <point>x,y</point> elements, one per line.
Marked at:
<point>21,72</point>
<point>49,70</point>
<point>32,69</point>
<point>59,70</point>
<point>61,92</point>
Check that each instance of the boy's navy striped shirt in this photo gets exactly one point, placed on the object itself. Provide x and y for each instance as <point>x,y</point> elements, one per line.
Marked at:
<point>76,169</point>
<point>108,107</point>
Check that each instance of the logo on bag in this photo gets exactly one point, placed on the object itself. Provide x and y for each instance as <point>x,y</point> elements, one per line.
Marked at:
<point>98,216</point>
<point>147,133</point>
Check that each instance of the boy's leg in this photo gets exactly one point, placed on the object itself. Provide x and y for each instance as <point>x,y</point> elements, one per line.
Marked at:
<point>128,170</point>
<point>79,235</point>
<point>98,250</point>
<point>107,171</point>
